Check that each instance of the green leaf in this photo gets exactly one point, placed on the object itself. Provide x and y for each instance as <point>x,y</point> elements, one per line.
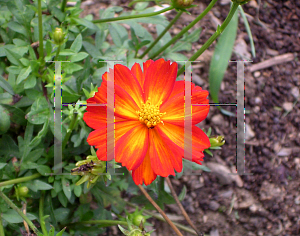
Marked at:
<point>77,44</point>
<point>8,147</point>
<point>77,188</point>
<point>51,231</point>
<point>248,29</point>
<point>99,38</point>
<point>6,86</point>
<point>91,49</point>
<point>40,185</point>
<point>34,155</point>
<point>37,139</point>
<point>4,120</point>
<point>66,187</point>
<point>222,54</point>
<point>182,194</point>
<point>20,42</point>
<point>30,82</point>
<point>78,57</point>
<point>118,33</point>
<point>63,200</point>
<point>60,233</point>
<point>18,116</point>
<point>15,26</point>
<point>194,166</point>
<point>66,52</point>
<point>39,112</point>
<point>6,98</point>
<point>2,165</point>
<point>84,22</point>
<point>70,68</point>
<point>25,62</point>
<point>23,74</point>
<point>13,57</point>
<point>44,170</point>
<point>13,217</point>
<point>14,70</point>
<point>61,214</point>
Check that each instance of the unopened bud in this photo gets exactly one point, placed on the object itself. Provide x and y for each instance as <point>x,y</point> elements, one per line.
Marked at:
<point>217,141</point>
<point>58,36</point>
<point>181,4</point>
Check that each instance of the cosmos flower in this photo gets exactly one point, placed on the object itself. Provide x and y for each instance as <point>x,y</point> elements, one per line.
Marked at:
<point>149,120</point>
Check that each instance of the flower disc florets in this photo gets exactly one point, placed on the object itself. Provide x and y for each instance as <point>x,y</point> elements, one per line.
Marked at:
<point>150,114</point>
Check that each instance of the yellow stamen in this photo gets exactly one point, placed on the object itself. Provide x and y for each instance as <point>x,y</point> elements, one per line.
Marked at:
<point>150,114</point>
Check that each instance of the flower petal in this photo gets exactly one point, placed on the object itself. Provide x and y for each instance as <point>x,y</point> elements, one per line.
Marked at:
<point>174,107</point>
<point>98,137</point>
<point>159,81</point>
<point>127,81</point>
<point>164,155</point>
<point>175,134</point>
<point>132,147</point>
<point>144,172</point>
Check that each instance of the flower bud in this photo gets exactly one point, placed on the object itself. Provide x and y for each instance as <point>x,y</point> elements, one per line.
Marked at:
<point>138,219</point>
<point>217,141</point>
<point>58,36</point>
<point>181,4</point>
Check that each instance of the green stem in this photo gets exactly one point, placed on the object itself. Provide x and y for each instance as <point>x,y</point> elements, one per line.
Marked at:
<point>183,31</point>
<point>57,53</point>
<point>132,16</point>
<point>180,226</point>
<point>1,227</point>
<point>63,5</point>
<point>213,37</point>
<point>41,46</point>
<point>20,180</point>
<point>13,206</point>
<point>106,222</point>
<point>69,131</point>
<point>162,34</point>
<point>41,214</point>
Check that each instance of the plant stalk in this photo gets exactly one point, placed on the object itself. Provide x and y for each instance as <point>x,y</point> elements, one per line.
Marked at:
<point>69,131</point>
<point>186,216</point>
<point>1,227</point>
<point>41,44</point>
<point>20,180</point>
<point>183,31</point>
<point>132,16</point>
<point>160,210</point>
<point>162,34</point>
<point>106,222</point>
<point>14,207</point>
<point>213,37</point>
<point>63,5</point>
<point>41,214</point>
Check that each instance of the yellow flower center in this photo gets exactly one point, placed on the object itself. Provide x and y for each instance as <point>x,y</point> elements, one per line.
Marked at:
<point>150,114</point>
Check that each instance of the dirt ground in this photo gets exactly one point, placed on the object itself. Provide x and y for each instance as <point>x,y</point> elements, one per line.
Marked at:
<point>268,201</point>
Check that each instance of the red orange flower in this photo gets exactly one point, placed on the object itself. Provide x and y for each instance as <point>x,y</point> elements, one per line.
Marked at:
<point>149,120</point>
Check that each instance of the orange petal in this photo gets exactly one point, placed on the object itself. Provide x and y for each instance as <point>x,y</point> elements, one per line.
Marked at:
<point>175,134</point>
<point>132,147</point>
<point>159,81</point>
<point>174,107</point>
<point>144,172</point>
<point>127,81</point>
<point>95,119</point>
<point>136,70</point>
<point>164,155</point>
